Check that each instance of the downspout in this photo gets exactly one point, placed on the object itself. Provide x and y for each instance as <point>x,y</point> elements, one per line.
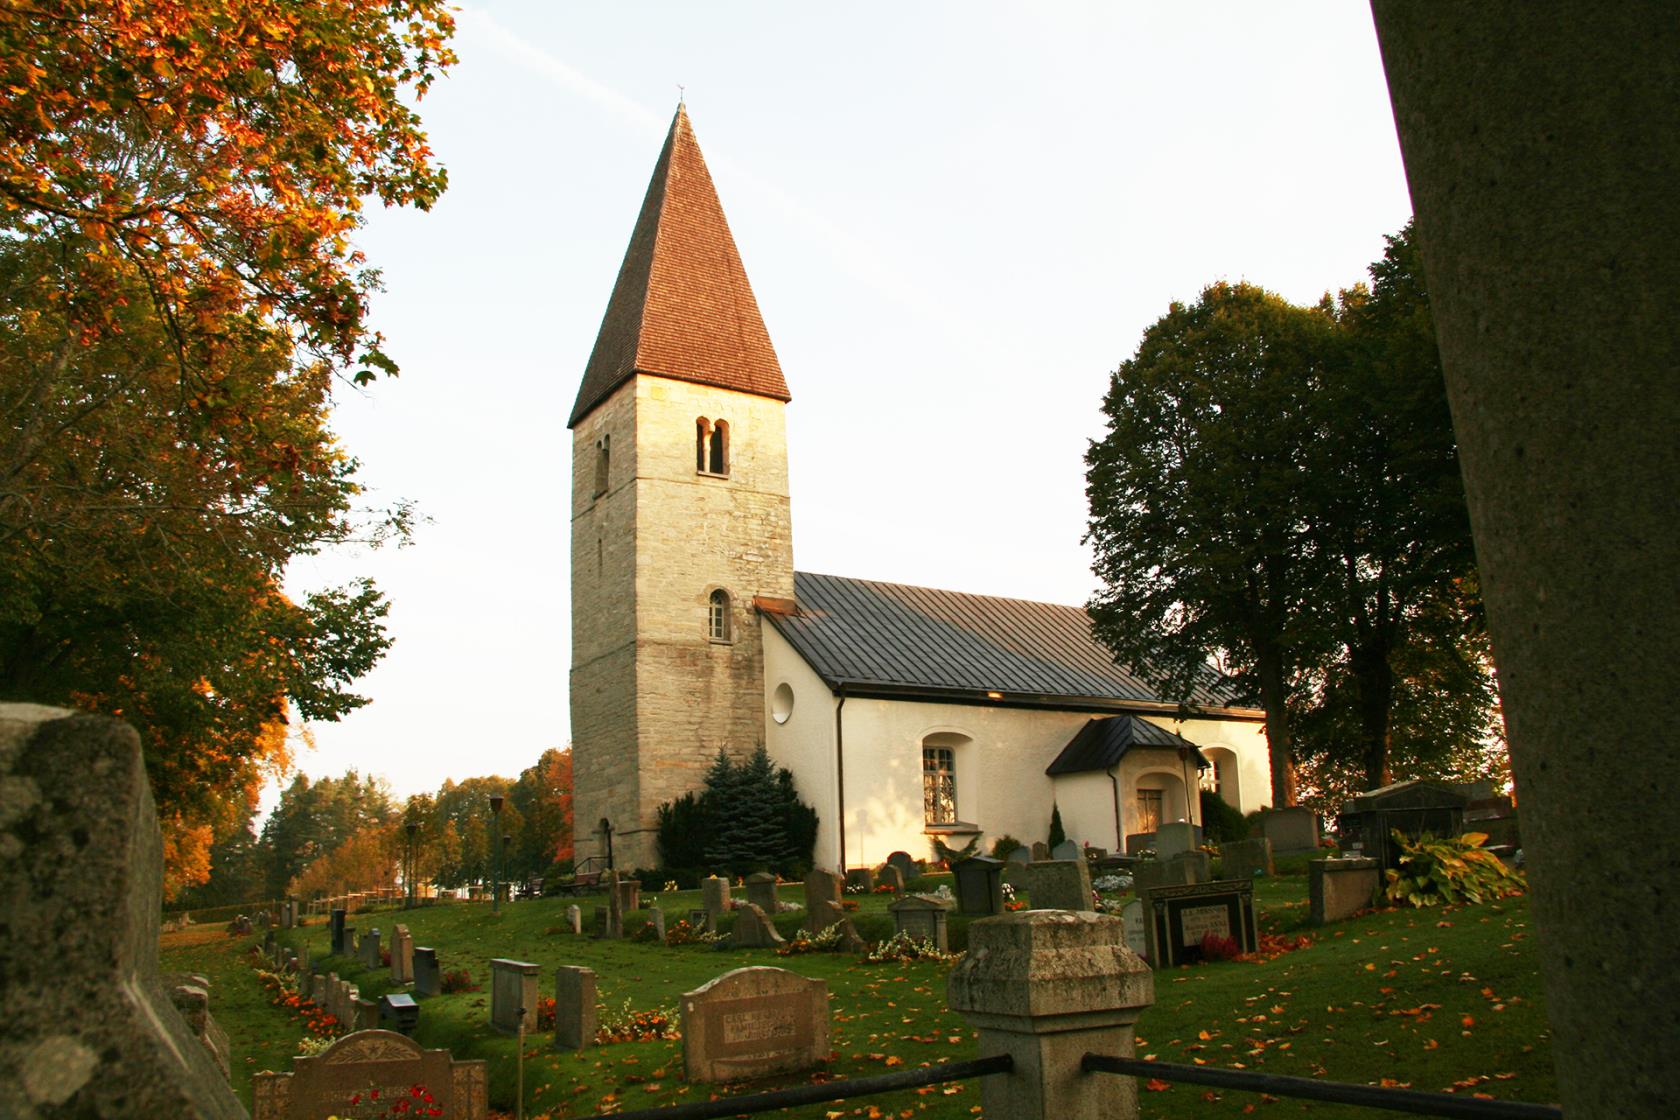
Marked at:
<point>1119,836</point>
<point>840,772</point>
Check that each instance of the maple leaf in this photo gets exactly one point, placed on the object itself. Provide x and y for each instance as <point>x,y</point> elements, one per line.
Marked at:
<point>1156,1085</point>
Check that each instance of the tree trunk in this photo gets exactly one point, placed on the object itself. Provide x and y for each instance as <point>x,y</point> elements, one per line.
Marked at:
<point>1274,698</point>
<point>1374,679</point>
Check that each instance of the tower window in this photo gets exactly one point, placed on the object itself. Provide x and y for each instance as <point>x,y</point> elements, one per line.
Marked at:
<point>717,616</point>
<point>603,460</point>
<point>711,447</point>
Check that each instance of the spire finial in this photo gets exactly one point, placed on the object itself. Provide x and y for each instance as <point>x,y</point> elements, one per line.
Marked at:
<point>682,96</point>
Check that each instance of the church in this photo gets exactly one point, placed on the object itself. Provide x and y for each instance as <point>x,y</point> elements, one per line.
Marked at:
<point>903,713</point>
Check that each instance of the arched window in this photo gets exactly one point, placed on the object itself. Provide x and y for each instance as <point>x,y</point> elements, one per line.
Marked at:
<point>711,447</point>
<point>603,460</point>
<point>717,616</point>
<point>939,785</point>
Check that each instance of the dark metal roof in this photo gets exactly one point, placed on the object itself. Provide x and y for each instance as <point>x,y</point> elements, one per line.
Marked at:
<point>1103,742</point>
<point>916,641</point>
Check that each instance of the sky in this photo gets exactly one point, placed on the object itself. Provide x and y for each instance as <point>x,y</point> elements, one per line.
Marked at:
<point>958,219</point>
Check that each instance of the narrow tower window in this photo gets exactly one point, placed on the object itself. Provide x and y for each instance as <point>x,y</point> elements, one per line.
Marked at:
<point>720,447</point>
<point>603,460</point>
<point>702,433</point>
<point>717,616</point>
<point>711,446</point>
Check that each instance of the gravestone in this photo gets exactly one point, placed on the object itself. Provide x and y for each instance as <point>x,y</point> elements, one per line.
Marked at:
<point>574,918</point>
<point>402,955</point>
<point>574,1008</point>
<point>428,980</point>
<point>892,877</point>
<point>269,940</point>
<point>1066,850</point>
<point>602,921</point>
<point>1019,855</point>
<point>699,920</point>
<point>366,1014</point>
<point>920,917</point>
<point>656,919</point>
<point>1290,830</point>
<point>190,995</point>
<point>337,928</point>
<point>979,882</point>
<point>1147,873</point>
<point>1040,852</point>
<point>1243,859</point>
<point>753,929</point>
<point>398,1012</point>
<point>1191,867</point>
<point>761,891</point>
<point>629,895</point>
<point>513,989</point>
<point>1340,888</point>
<point>1139,842</point>
<point>614,926</point>
<point>822,899</point>
<point>754,1022</point>
<point>318,991</point>
<point>325,1084</point>
<point>1180,917</point>
<point>1060,884</point>
<point>1176,837</point>
<point>1136,927</point>
<point>288,914</point>
<point>906,867</point>
<point>369,948</point>
<point>714,896</point>
<point>849,940</point>
<point>863,877</point>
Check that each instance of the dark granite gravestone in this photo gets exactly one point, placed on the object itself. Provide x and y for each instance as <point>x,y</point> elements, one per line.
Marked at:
<point>337,930</point>
<point>428,980</point>
<point>398,1012</point>
<point>1180,917</point>
<point>906,866</point>
<point>979,885</point>
<point>754,1022</point>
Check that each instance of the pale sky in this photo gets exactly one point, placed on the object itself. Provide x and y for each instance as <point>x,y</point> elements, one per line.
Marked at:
<point>958,218</point>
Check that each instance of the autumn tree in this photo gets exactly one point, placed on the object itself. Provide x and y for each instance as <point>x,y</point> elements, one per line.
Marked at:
<point>543,798</point>
<point>1197,496</point>
<point>178,292</point>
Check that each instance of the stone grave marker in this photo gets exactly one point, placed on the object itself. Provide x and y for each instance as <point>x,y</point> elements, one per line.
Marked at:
<point>698,919</point>
<point>1340,888</point>
<point>714,896</point>
<point>753,929</point>
<point>1178,918</point>
<point>629,895</point>
<point>656,919</point>
<point>269,940</point>
<point>366,1012</point>
<point>754,1022</point>
<point>574,1008</point>
<point>615,908</point>
<point>1243,859</point>
<point>602,918</point>
<point>1136,927</point>
<point>323,1085</point>
<point>822,899</point>
<point>850,941</point>
<point>979,882</point>
<point>907,869</point>
<point>1066,850</point>
<point>398,1012</point>
<point>1021,855</point>
<point>861,877</point>
<point>761,891</point>
<point>337,928</point>
<point>318,991</point>
<point>513,988</point>
<point>1192,867</point>
<point>1293,829</point>
<point>1176,837</point>
<point>369,948</point>
<point>402,955</point>
<point>574,918</point>
<point>891,876</point>
<point>428,979</point>
<point>1040,852</point>
<point>921,917</point>
<point>1059,884</point>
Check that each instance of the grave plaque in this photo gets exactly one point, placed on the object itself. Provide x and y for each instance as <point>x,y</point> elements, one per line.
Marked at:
<point>428,981</point>
<point>574,1008</point>
<point>513,988</point>
<point>1179,917</point>
<point>761,891</point>
<point>754,1022</point>
<point>921,917</point>
<point>345,1072</point>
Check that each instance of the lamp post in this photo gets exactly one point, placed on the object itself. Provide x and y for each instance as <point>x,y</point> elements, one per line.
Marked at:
<point>496,862</point>
<point>413,830</point>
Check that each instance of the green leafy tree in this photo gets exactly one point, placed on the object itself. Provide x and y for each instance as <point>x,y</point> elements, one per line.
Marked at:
<point>1058,835</point>
<point>1198,498</point>
<point>748,817</point>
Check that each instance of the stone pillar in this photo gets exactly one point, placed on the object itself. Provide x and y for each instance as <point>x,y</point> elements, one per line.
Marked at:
<point>1541,157</point>
<point>1045,987</point>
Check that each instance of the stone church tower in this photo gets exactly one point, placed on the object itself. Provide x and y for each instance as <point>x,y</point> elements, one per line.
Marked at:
<point>680,515</point>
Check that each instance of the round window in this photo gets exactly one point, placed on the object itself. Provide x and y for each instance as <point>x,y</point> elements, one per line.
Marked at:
<point>781,703</point>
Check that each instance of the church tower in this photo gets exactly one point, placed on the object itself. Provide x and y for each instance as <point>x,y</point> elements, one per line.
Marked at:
<point>680,515</point>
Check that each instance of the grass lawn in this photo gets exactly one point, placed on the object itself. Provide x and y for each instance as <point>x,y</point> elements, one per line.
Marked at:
<point>1421,998</point>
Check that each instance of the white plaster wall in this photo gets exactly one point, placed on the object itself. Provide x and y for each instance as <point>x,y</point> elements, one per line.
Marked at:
<point>1087,804</point>
<point>1244,738</point>
<point>804,745</point>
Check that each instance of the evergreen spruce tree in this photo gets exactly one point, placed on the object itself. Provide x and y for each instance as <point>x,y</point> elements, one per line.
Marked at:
<point>1057,836</point>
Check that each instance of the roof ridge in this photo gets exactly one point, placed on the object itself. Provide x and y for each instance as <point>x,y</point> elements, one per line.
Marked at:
<point>947,591</point>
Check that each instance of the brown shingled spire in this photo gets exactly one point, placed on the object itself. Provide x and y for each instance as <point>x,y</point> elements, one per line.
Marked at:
<point>682,307</point>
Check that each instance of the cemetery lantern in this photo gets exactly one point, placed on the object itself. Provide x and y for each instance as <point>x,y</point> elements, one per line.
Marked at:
<point>408,875</point>
<point>496,861</point>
